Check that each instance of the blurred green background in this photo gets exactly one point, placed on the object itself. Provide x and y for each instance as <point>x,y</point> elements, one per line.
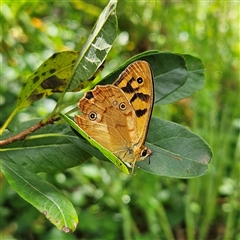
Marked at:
<point>110,204</point>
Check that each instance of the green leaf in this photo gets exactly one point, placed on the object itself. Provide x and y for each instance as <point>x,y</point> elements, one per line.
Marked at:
<point>170,73</point>
<point>115,160</point>
<point>71,69</point>
<point>56,72</point>
<point>52,76</point>
<point>196,78</point>
<point>177,152</point>
<point>42,195</point>
<point>176,76</point>
<point>96,48</point>
<point>51,148</point>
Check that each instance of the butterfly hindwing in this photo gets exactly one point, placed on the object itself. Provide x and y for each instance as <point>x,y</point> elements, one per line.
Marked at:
<point>108,117</point>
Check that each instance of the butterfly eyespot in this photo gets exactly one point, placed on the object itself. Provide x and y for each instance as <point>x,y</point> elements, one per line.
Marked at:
<point>140,80</point>
<point>92,116</point>
<point>114,102</point>
<point>122,106</point>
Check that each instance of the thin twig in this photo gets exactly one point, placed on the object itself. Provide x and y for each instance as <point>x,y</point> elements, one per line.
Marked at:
<point>26,132</point>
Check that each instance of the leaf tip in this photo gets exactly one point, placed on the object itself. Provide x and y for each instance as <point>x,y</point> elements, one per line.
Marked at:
<point>66,229</point>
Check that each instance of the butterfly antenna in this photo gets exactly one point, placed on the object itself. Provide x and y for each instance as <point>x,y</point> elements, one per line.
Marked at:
<point>149,160</point>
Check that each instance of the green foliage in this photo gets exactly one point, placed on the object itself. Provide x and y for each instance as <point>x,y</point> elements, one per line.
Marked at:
<point>52,76</point>
<point>179,76</point>
<point>175,142</point>
<point>146,206</point>
<point>52,148</point>
<point>66,71</point>
<point>96,47</point>
<point>55,74</point>
<point>42,195</point>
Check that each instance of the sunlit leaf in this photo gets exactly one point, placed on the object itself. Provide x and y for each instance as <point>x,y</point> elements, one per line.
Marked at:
<point>56,72</point>
<point>96,48</point>
<point>52,76</point>
<point>42,195</point>
<point>73,69</point>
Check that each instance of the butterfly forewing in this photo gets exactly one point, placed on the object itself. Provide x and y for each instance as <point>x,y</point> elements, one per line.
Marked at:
<point>137,84</point>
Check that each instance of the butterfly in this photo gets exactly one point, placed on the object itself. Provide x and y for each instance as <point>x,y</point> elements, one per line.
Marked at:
<point>117,115</point>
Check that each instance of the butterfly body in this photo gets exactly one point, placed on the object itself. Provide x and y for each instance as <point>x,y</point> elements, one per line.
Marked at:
<point>117,116</point>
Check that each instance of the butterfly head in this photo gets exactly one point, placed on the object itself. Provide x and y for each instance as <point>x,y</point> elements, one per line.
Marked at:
<point>140,154</point>
<point>144,153</point>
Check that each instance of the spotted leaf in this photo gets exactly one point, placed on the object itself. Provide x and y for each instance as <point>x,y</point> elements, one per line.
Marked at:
<point>52,76</point>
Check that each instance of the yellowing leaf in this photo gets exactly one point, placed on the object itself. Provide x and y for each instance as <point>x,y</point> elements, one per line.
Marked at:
<point>52,76</point>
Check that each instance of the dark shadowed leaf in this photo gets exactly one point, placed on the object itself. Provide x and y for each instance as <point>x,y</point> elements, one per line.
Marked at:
<point>176,76</point>
<point>177,152</point>
<point>51,148</point>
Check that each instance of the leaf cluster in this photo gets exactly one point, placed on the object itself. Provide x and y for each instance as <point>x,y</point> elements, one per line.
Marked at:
<point>178,152</point>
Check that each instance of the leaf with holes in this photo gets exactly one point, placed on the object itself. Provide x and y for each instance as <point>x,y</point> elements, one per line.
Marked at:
<point>96,47</point>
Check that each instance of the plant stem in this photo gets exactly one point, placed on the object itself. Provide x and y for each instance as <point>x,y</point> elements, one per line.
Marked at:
<point>8,121</point>
<point>25,133</point>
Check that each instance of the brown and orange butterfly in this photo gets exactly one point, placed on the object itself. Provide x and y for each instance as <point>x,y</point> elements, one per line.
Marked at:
<point>117,116</point>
